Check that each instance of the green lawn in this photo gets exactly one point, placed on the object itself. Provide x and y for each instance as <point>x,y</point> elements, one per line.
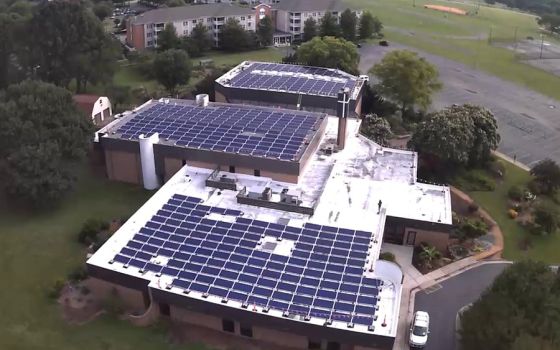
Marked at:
<point>465,38</point>
<point>495,202</point>
<point>221,58</point>
<point>37,249</point>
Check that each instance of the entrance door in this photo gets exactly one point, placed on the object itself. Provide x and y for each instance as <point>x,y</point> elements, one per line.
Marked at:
<point>411,238</point>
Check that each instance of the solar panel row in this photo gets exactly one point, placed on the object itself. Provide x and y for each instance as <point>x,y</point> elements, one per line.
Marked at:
<point>262,133</point>
<point>323,277</point>
<point>253,78</point>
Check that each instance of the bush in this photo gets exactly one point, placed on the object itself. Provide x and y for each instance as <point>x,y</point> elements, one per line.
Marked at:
<point>77,275</point>
<point>547,175</point>
<point>471,229</point>
<point>546,217</point>
<point>388,256</point>
<point>477,180</point>
<point>516,193</point>
<point>473,208</point>
<point>54,291</point>
<point>90,229</point>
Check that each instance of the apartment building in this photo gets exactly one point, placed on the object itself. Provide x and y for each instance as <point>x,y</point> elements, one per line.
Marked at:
<point>142,30</point>
<point>290,15</point>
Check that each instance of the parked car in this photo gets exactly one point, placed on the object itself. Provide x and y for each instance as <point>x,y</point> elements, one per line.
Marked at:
<point>419,329</point>
<point>383,43</point>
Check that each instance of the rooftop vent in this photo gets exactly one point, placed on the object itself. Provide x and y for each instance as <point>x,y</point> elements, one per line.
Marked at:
<point>202,100</point>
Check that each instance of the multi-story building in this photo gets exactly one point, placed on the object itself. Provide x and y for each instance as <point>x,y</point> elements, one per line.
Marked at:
<point>142,30</point>
<point>290,15</point>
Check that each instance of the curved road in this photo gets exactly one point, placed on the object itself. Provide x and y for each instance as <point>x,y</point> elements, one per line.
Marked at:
<point>528,122</point>
<point>444,303</point>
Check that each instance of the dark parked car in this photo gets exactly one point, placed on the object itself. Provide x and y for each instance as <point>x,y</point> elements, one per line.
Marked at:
<point>383,43</point>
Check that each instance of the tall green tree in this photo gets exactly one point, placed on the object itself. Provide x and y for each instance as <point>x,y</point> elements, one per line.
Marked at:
<point>103,9</point>
<point>172,68</point>
<point>330,52</point>
<point>406,79</point>
<point>206,84</point>
<point>550,21</point>
<point>309,29</point>
<point>459,135</point>
<point>167,39</point>
<point>199,42</point>
<point>329,25</point>
<point>69,43</point>
<point>521,310</point>
<point>42,137</point>
<point>547,176</point>
<point>9,46</point>
<point>547,217</point>
<point>119,96</point>
<point>369,26</point>
<point>376,128</point>
<point>265,31</point>
<point>348,23</point>
<point>234,38</point>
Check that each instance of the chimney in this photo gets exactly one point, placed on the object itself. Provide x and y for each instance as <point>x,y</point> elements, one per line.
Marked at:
<point>202,100</point>
<point>342,109</point>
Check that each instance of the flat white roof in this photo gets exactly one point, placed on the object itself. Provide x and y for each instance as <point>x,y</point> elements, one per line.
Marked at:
<point>343,186</point>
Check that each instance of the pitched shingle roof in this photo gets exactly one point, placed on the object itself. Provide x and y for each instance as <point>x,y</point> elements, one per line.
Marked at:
<point>172,14</point>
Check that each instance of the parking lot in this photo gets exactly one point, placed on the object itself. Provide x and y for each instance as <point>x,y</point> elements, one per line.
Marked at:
<point>528,122</point>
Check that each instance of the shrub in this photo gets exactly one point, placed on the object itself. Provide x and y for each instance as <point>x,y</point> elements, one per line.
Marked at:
<point>471,229</point>
<point>546,217</point>
<point>56,288</point>
<point>516,193</point>
<point>547,176</point>
<point>512,213</point>
<point>477,180</point>
<point>90,229</point>
<point>78,274</point>
<point>473,208</point>
<point>388,256</point>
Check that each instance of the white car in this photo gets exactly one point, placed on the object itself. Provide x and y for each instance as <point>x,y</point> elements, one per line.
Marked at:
<point>419,329</point>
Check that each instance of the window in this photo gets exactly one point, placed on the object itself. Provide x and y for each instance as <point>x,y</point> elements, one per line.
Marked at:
<point>246,330</point>
<point>249,17</point>
<point>231,169</point>
<point>185,23</point>
<point>257,172</point>
<point>314,344</point>
<point>242,18</point>
<point>228,326</point>
<point>208,19</point>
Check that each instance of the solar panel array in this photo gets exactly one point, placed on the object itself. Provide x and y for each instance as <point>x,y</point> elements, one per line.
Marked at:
<point>322,277</point>
<point>249,79</point>
<point>262,133</point>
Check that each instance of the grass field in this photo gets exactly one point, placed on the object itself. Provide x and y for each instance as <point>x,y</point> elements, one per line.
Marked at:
<point>465,38</point>
<point>37,249</point>
<point>496,203</point>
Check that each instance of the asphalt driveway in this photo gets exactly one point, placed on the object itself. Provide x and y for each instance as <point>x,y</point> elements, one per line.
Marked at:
<point>443,304</point>
<point>528,122</point>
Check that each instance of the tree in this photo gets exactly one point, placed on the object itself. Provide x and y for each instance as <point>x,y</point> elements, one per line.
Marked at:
<point>471,229</point>
<point>329,25</point>
<point>486,137</point>
<point>369,26</point>
<point>119,95</point>
<point>547,176</point>
<point>10,27</point>
<point>550,21</point>
<point>348,23</point>
<point>168,39</point>
<point>69,43</point>
<point>103,9</point>
<point>444,136</point>
<point>198,42</point>
<point>265,31</point>
<point>458,135</point>
<point>521,310</point>
<point>330,52</point>
<point>206,84</point>
<point>547,218</point>
<point>406,79</point>
<point>309,29</point>
<point>172,68</point>
<point>42,137</point>
<point>377,129</point>
<point>175,3</point>
<point>234,37</point>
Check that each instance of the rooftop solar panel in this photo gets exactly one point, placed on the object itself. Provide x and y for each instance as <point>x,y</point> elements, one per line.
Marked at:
<point>316,279</point>
<point>258,132</point>
<point>292,78</point>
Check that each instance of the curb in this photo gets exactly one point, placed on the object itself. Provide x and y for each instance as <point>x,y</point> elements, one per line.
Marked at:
<point>510,160</point>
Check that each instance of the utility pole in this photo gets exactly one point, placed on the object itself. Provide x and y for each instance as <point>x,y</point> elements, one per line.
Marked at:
<point>542,44</point>
<point>515,41</point>
<point>490,36</point>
